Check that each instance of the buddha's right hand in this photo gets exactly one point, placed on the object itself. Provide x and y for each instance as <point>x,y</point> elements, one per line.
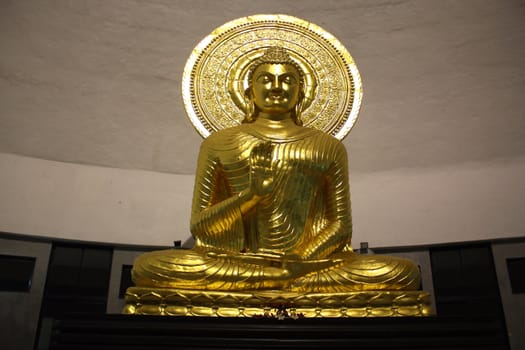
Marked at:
<point>264,174</point>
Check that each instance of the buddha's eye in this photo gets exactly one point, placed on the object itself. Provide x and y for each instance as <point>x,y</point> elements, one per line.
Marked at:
<point>289,79</point>
<point>264,79</point>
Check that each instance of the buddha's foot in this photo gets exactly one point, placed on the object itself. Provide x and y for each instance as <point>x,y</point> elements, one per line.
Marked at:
<point>279,304</point>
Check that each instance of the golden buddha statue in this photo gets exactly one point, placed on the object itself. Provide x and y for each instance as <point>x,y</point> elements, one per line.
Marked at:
<point>271,221</point>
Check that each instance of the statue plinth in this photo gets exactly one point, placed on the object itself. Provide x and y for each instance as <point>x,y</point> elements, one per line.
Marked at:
<point>180,302</point>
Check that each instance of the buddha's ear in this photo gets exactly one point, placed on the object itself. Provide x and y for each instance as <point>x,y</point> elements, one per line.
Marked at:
<point>301,98</point>
<point>299,109</point>
<point>248,92</point>
<point>249,111</point>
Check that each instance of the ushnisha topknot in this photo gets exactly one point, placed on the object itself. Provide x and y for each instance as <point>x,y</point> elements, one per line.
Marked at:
<point>276,54</point>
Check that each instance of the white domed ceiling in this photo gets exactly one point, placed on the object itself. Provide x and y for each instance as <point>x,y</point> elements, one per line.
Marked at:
<point>98,82</point>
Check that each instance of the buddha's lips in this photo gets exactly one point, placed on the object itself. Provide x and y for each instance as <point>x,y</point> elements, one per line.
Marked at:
<point>274,96</point>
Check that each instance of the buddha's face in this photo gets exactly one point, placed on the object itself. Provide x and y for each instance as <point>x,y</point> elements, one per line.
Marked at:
<point>275,87</point>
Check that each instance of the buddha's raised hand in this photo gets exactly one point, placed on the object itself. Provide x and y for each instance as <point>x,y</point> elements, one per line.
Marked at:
<point>264,174</point>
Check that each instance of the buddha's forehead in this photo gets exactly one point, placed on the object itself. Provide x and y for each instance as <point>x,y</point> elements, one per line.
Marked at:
<point>276,69</point>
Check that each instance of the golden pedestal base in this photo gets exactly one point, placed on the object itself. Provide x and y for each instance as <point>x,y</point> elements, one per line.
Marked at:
<point>180,302</point>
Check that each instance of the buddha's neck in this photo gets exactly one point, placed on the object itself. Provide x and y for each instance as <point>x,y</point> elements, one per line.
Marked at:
<point>280,127</point>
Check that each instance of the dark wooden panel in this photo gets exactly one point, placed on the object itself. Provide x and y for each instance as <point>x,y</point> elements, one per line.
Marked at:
<point>77,280</point>
<point>16,273</point>
<point>516,269</point>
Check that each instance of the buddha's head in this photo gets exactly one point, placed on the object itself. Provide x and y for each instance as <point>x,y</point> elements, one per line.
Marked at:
<point>276,86</point>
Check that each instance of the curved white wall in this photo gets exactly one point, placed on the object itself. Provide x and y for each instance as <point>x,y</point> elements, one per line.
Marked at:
<point>90,203</point>
<point>401,207</point>
<point>464,202</point>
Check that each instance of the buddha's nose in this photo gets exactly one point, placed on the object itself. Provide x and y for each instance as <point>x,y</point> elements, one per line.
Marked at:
<point>276,84</point>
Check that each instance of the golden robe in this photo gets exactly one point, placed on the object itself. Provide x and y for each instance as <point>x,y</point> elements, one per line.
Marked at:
<point>296,239</point>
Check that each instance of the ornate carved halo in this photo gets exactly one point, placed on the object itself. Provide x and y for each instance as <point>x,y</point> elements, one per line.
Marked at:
<point>215,76</point>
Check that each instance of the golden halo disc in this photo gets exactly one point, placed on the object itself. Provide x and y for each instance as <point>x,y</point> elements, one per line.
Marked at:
<point>215,75</point>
